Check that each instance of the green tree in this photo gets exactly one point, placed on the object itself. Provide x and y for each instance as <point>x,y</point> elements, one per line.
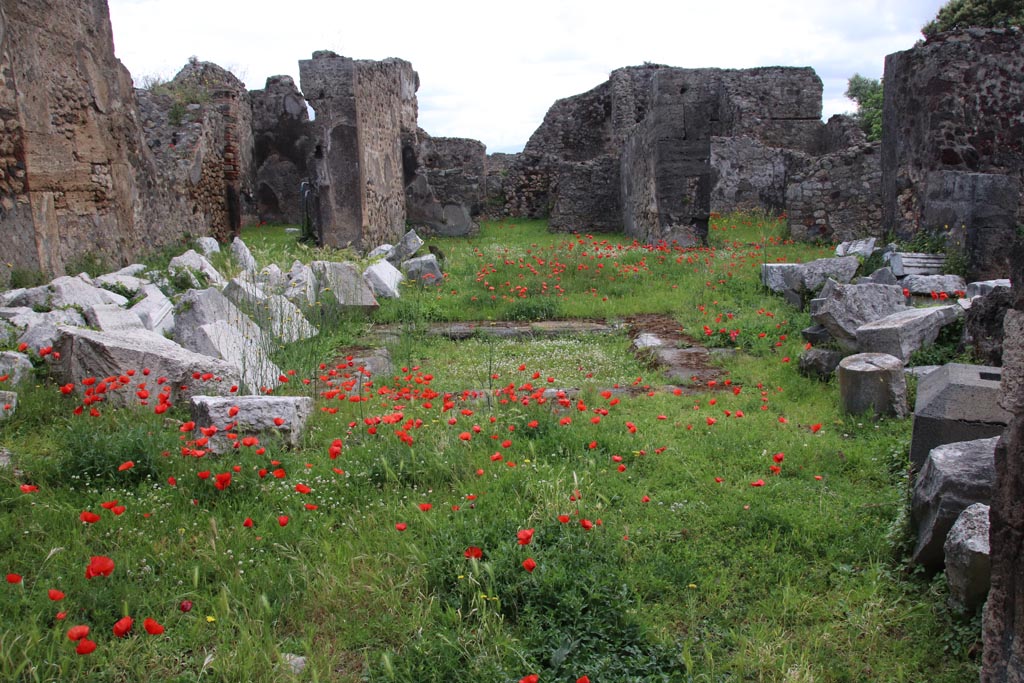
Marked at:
<point>965,13</point>
<point>867,93</point>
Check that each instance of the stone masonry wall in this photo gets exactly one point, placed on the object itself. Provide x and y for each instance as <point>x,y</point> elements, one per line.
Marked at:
<point>954,103</point>
<point>447,191</point>
<point>362,109</point>
<point>281,147</point>
<point>836,196</point>
<point>749,175</point>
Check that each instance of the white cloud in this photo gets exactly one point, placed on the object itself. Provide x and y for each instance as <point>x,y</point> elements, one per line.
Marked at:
<point>490,72</point>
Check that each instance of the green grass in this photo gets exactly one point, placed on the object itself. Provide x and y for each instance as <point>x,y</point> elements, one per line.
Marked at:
<point>680,577</point>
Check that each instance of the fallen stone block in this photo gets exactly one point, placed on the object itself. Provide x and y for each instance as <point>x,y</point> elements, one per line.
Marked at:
<point>128,283</point>
<point>773,275</point>
<point>281,319</point>
<point>302,288</point>
<point>112,318</point>
<point>912,263</point>
<point>423,270</point>
<point>380,252</point>
<point>872,382</point>
<point>384,279</point>
<point>813,275</point>
<point>406,247</point>
<point>954,477</point>
<point>956,402</point>
<point>862,247</point>
<point>154,310</point>
<point>198,307</point>
<point>243,257</point>
<point>283,416</point>
<point>647,340</point>
<point>8,333</point>
<point>985,287</point>
<point>345,284</point>
<point>32,297</point>
<point>903,332</point>
<point>72,291</point>
<point>924,285</point>
<point>192,261</point>
<point>966,551</point>
<point>23,318</point>
<point>220,339</point>
<point>243,293</point>
<point>846,308</point>
<point>816,335</point>
<point>272,279</point>
<point>207,246</point>
<point>15,366</point>
<point>90,353</point>
<point>819,363</point>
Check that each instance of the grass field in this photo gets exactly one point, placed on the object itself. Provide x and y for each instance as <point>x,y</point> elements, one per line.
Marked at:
<point>454,522</point>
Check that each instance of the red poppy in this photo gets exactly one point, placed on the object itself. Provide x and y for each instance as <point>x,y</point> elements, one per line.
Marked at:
<point>283,520</point>
<point>645,499</point>
<point>759,482</point>
<point>122,626</point>
<point>247,523</point>
<point>127,465</point>
<point>278,421</point>
<point>586,524</point>
<point>401,526</point>
<point>778,458</point>
<point>524,536</point>
<point>185,606</point>
<point>222,480</point>
<point>474,553</point>
<point>55,594</point>
<point>529,565</point>
<point>815,428</point>
<point>152,626</point>
<point>425,507</point>
<point>14,578</point>
<point>564,519</point>
<point>89,517</point>
<point>582,679</point>
<point>78,632</point>
<point>85,646</point>
<point>29,488</point>
<point>99,565</point>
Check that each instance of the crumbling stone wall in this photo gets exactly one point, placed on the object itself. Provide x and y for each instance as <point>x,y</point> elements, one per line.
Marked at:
<point>198,127</point>
<point>836,196</point>
<point>497,167</point>
<point>955,104</point>
<point>68,126</point>
<point>750,175</point>
<point>362,108</point>
<point>770,107</point>
<point>447,193</point>
<point>79,175</point>
<point>1003,625</point>
<point>281,147</point>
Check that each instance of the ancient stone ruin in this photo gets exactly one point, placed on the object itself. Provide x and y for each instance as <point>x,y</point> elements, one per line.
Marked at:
<point>953,143</point>
<point>655,149</point>
<point>282,139</point>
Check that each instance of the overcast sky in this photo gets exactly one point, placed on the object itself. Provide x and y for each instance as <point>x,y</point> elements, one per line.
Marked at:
<point>490,71</point>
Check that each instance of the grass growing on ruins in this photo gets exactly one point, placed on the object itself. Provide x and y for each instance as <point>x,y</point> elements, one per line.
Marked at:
<point>441,524</point>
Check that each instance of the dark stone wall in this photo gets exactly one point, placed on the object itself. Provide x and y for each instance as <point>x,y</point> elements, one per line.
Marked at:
<point>362,107</point>
<point>448,188</point>
<point>953,103</point>
<point>1003,625</point>
<point>282,141</point>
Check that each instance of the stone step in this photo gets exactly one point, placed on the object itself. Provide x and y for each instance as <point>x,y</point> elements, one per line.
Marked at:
<point>905,263</point>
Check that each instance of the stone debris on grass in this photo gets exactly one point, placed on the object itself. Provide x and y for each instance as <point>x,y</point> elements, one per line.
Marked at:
<point>302,287</point>
<point>199,307</point>
<point>954,477</point>
<point>192,262</point>
<point>220,339</point>
<point>112,318</point>
<point>16,366</point>
<point>283,416</point>
<point>966,552</point>
<point>424,270</point>
<point>8,404</point>
<point>384,279</point>
<point>243,257</point>
<point>155,310</point>
<point>207,246</point>
<point>81,352</point>
<point>343,283</point>
<point>846,308</point>
<point>903,332</point>
<point>872,382</point>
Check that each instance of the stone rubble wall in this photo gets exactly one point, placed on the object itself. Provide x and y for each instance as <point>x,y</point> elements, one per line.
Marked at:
<point>80,178</point>
<point>953,103</point>
<point>497,168</point>
<point>772,107</point>
<point>447,189</point>
<point>836,196</point>
<point>362,110</point>
<point>281,148</point>
<point>750,175</point>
